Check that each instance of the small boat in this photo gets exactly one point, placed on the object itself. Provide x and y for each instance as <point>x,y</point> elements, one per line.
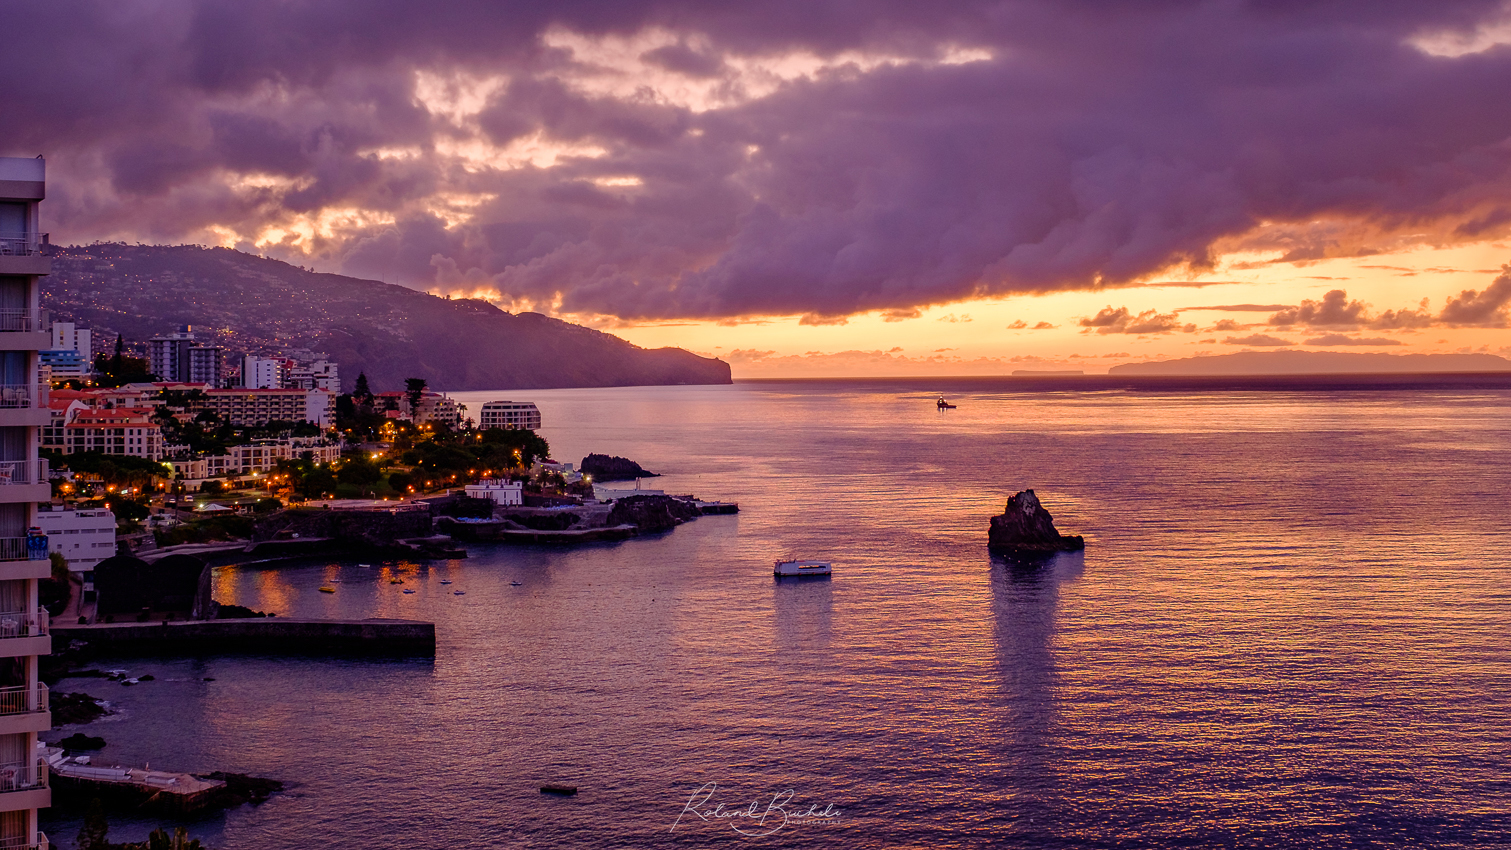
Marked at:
<point>802,568</point>
<point>564,790</point>
<point>396,581</point>
<point>445,581</point>
<point>327,589</point>
<point>335,581</point>
<point>458,593</point>
<point>514,584</point>
<point>364,565</point>
<point>944,405</point>
<point>408,590</point>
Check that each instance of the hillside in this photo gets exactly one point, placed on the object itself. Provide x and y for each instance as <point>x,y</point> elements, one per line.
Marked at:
<point>253,305</point>
<point>1316,363</point>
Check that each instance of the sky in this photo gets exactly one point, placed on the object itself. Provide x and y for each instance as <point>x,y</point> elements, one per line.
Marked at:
<point>822,187</point>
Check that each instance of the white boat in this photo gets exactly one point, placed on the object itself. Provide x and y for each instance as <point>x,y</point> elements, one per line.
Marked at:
<point>803,568</point>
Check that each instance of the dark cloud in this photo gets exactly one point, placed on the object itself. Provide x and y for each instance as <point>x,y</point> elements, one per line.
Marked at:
<point>1328,340</point>
<point>680,168</point>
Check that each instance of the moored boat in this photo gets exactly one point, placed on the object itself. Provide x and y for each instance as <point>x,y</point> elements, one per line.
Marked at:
<point>802,568</point>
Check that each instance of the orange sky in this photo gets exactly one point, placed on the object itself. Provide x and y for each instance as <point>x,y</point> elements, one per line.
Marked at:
<point>974,337</point>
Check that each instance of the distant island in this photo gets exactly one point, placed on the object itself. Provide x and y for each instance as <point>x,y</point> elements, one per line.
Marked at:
<point>1316,363</point>
<point>389,332</point>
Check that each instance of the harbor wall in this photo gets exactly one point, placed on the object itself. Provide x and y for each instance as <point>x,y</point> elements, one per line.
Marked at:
<point>271,635</point>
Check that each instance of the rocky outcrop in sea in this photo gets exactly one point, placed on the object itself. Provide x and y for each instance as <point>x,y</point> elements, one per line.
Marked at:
<point>1025,527</point>
<point>604,468</point>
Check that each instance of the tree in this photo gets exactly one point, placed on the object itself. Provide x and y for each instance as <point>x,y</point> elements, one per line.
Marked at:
<point>414,390</point>
<point>362,394</point>
<point>92,836</point>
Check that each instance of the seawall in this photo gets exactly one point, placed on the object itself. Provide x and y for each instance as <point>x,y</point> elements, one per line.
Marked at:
<point>260,635</point>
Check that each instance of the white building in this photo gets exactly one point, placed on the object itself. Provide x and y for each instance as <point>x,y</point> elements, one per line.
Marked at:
<point>319,374</point>
<point>261,373</point>
<point>83,538</point>
<point>510,415</point>
<point>501,492</point>
<point>70,337</point>
<point>23,555</point>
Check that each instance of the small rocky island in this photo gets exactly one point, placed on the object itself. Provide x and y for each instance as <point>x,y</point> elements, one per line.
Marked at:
<point>605,468</point>
<point>1026,528</point>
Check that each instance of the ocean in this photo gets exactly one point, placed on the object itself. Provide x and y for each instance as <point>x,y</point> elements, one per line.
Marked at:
<point>1291,627</point>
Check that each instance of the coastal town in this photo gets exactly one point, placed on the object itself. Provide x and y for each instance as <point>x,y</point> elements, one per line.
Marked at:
<point>127,475</point>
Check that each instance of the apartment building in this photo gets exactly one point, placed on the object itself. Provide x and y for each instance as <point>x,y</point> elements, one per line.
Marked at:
<point>261,373</point>
<point>113,431</point>
<point>242,406</point>
<point>23,551</point>
<point>509,414</point>
<point>178,357</point>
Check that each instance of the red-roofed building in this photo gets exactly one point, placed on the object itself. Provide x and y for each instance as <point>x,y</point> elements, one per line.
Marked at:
<point>118,431</point>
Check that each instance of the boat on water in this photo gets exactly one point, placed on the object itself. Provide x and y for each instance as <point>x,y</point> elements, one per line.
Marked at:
<point>407,590</point>
<point>944,405</point>
<point>802,568</point>
<point>327,589</point>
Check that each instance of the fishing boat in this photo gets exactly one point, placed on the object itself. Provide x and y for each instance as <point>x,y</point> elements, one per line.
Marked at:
<point>802,568</point>
<point>327,589</point>
<point>407,590</point>
<point>944,405</point>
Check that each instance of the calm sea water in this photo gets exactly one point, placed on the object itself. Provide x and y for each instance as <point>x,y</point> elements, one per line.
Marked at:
<point>1291,627</point>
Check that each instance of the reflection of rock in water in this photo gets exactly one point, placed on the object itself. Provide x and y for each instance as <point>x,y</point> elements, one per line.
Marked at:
<point>1025,597</point>
<point>804,608</point>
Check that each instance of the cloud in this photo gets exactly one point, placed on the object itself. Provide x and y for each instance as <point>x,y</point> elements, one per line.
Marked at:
<point>1488,308</point>
<point>1241,308</point>
<point>952,318</point>
<point>1017,325</point>
<point>1043,326</point>
<point>820,321</point>
<point>1343,339</point>
<point>900,315</point>
<point>1257,339</point>
<point>1121,321</point>
<point>677,160</point>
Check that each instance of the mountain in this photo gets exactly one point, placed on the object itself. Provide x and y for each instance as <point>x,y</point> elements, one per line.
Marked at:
<point>253,305</point>
<point>1316,363</point>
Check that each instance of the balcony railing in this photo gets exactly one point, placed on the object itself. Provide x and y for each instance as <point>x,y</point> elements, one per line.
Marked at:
<point>19,624</point>
<point>22,321</point>
<point>15,396</point>
<point>22,699</point>
<point>23,472</point>
<point>17,244</point>
<point>23,775</point>
<point>23,549</point>
<point>23,844</point>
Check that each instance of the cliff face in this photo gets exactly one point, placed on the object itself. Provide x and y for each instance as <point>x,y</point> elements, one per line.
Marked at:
<point>252,305</point>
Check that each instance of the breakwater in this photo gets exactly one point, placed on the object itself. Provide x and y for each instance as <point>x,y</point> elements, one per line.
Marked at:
<point>272,635</point>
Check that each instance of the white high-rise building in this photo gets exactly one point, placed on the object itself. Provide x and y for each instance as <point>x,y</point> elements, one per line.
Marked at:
<point>261,373</point>
<point>66,336</point>
<point>23,483</point>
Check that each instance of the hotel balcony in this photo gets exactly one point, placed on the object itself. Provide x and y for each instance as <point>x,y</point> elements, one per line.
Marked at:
<point>21,844</point>
<point>24,481</point>
<point>23,405</point>
<point>23,785</point>
<point>22,253</point>
<point>24,634</point>
<point>23,330</point>
<point>24,708</point>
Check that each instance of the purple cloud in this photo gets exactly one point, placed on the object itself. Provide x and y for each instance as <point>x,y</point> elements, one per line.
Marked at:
<point>1258,340</point>
<point>675,159</point>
